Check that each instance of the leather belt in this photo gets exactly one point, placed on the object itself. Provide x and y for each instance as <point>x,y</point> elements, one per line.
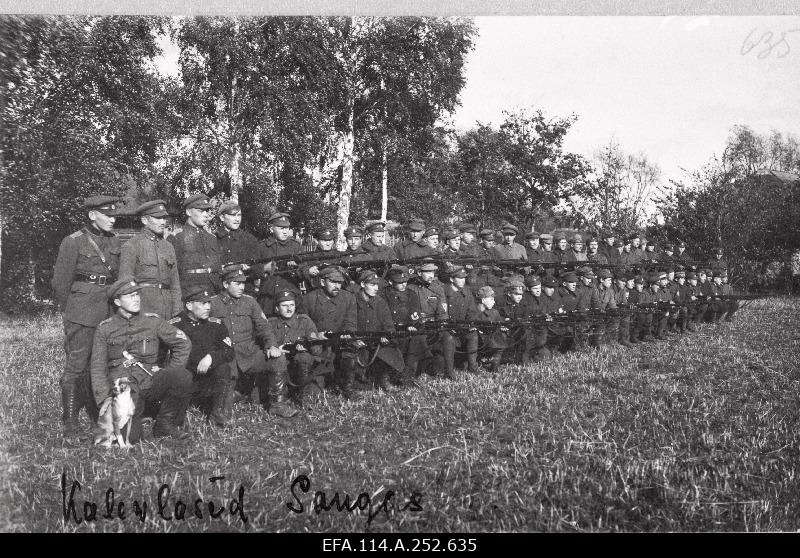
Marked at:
<point>100,280</point>
<point>202,270</point>
<point>154,285</point>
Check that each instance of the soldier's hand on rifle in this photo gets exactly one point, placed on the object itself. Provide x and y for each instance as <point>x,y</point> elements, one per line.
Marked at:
<point>291,263</point>
<point>204,364</point>
<point>299,348</point>
<point>384,341</point>
<point>359,344</point>
<point>274,352</point>
<point>411,328</point>
<point>245,267</point>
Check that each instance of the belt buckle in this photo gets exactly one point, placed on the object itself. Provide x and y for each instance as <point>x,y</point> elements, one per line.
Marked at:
<point>101,280</point>
<point>92,277</point>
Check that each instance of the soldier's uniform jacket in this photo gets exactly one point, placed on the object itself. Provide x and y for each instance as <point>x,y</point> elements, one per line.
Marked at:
<point>621,295</point>
<point>573,256</point>
<point>534,255</point>
<point>80,276</point>
<point>239,246</point>
<point>584,295</point>
<point>513,310</point>
<point>627,258</point>
<point>312,282</point>
<point>460,304</point>
<point>374,315</point>
<point>635,256</point>
<point>410,249</point>
<point>491,339</point>
<point>537,305</point>
<point>568,300</point>
<point>726,289</point>
<point>208,337</point>
<point>151,260</point>
<point>603,298</point>
<point>432,300</point>
<point>509,251</point>
<point>718,265</point>
<point>682,256</point>
<point>663,296</point>
<point>647,296</point>
<point>598,258</point>
<point>682,293</point>
<point>299,326</point>
<point>552,304</point>
<point>197,251</point>
<point>564,255</point>
<point>140,335</point>
<point>247,326</point>
<point>331,313</point>
<point>404,306</point>
<point>471,250</point>
<point>382,252</point>
<point>449,254</point>
<point>272,284</point>
<point>548,256</point>
<point>634,296</point>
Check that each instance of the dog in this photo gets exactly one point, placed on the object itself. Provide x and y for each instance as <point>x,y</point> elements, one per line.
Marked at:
<point>116,414</point>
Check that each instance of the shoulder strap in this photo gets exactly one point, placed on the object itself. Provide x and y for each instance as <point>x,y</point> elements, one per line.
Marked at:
<point>99,252</point>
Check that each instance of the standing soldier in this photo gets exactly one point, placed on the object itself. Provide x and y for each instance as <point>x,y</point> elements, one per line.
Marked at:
<point>576,253</point>
<point>469,247</point>
<point>196,249</point>
<point>461,307</point>
<point>237,246</point>
<point>212,353</point>
<point>452,247</point>
<point>325,241</point>
<point>140,334</point>
<point>152,261</point>
<point>415,246</point>
<point>593,255</point>
<point>376,243</point>
<point>510,250</point>
<point>532,248</point>
<point>279,244</point>
<point>87,261</point>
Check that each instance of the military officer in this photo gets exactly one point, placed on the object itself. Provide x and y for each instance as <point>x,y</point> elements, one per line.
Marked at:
<point>254,345</point>
<point>151,259</point>
<point>537,308</point>
<point>469,246</point>
<point>494,341</point>
<point>461,307</point>
<point>576,253</point>
<point>88,261</point>
<point>325,241</point>
<point>452,244</point>
<point>433,307</point>
<point>237,246</point>
<point>197,250</point>
<point>279,244</point>
<point>138,333</point>
<point>212,353</point>
<point>510,250</point>
<point>376,242</point>
<point>532,249</point>
<point>415,246</point>
<point>593,254</point>
<point>405,308</point>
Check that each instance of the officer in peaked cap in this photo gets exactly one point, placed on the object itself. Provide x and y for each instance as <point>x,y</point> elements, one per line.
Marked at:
<point>279,244</point>
<point>141,335</point>
<point>238,246</point>
<point>410,247</point>
<point>510,250</point>
<point>152,260</point>
<point>87,261</point>
<point>211,355</point>
<point>469,245</point>
<point>197,250</point>
<point>376,242</point>
<point>452,244</point>
<point>325,246</point>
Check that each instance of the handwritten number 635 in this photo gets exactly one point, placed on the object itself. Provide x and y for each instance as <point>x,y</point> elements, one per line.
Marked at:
<point>769,41</point>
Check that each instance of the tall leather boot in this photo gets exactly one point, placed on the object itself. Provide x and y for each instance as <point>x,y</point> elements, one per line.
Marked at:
<point>381,375</point>
<point>346,380</point>
<point>69,404</point>
<point>173,407</point>
<point>219,394</point>
<point>279,394</point>
<point>88,401</point>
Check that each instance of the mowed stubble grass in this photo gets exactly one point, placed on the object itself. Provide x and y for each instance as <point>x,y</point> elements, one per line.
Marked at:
<point>699,433</point>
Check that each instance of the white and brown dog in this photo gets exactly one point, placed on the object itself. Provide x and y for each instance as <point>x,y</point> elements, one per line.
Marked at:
<point>115,414</point>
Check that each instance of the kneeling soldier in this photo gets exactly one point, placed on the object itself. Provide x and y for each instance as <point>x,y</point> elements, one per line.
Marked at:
<point>289,327</point>
<point>212,353</point>
<point>127,345</point>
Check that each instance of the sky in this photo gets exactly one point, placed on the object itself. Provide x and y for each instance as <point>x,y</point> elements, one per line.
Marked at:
<point>669,87</point>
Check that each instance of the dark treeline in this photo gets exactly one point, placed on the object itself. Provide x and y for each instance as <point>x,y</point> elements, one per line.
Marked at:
<point>336,121</point>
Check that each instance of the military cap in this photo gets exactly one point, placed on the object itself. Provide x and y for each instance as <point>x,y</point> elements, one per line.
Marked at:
<point>432,231</point>
<point>234,273</point>
<point>196,201</point>
<point>154,208</point>
<point>572,278</point>
<point>197,293</point>
<point>592,239</point>
<point>716,273</point>
<point>326,234</point>
<point>638,280</point>
<point>669,246</point>
<point>487,233</point>
<point>577,239</point>
<point>485,292</point>
<point>679,274</point>
<point>332,273</point>
<point>229,207</point>
<point>532,281</point>
<point>416,225</point>
<point>467,228</point>
<point>660,275</point>
<point>531,234</point>
<point>399,274</point>
<point>704,271</point>
<point>584,270</point>
<point>458,272</point>
<point>718,251</point>
<point>352,232</point>
<point>450,234</point>
<point>607,234</point>
<point>515,282</point>
<point>604,274</point>
<point>631,238</point>
<point>428,266</point>
<point>283,296</point>
<point>550,282</point>
<point>123,286</point>
<point>669,269</point>
<point>679,267</point>
<point>681,244</point>
<point>376,227</point>
<point>103,204</point>
<point>546,238</point>
<point>559,237</point>
<point>368,276</point>
<point>279,219</point>
<point>588,273</point>
<point>627,240</point>
<point>618,243</point>
<point>691,275</point>
<point>508,228</point>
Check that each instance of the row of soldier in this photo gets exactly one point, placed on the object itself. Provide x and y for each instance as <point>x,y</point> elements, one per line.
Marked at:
<point>173,293</point>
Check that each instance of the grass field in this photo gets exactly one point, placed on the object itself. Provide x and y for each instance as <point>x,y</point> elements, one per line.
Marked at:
<point>699,433</point>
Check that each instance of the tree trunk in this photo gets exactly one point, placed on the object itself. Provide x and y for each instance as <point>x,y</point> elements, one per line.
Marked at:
<point>235,173</point>
<point>384,185</point>
<point>346,191</point>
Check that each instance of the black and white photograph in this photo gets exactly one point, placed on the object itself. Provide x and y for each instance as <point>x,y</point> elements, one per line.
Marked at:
<point>399,279</point>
